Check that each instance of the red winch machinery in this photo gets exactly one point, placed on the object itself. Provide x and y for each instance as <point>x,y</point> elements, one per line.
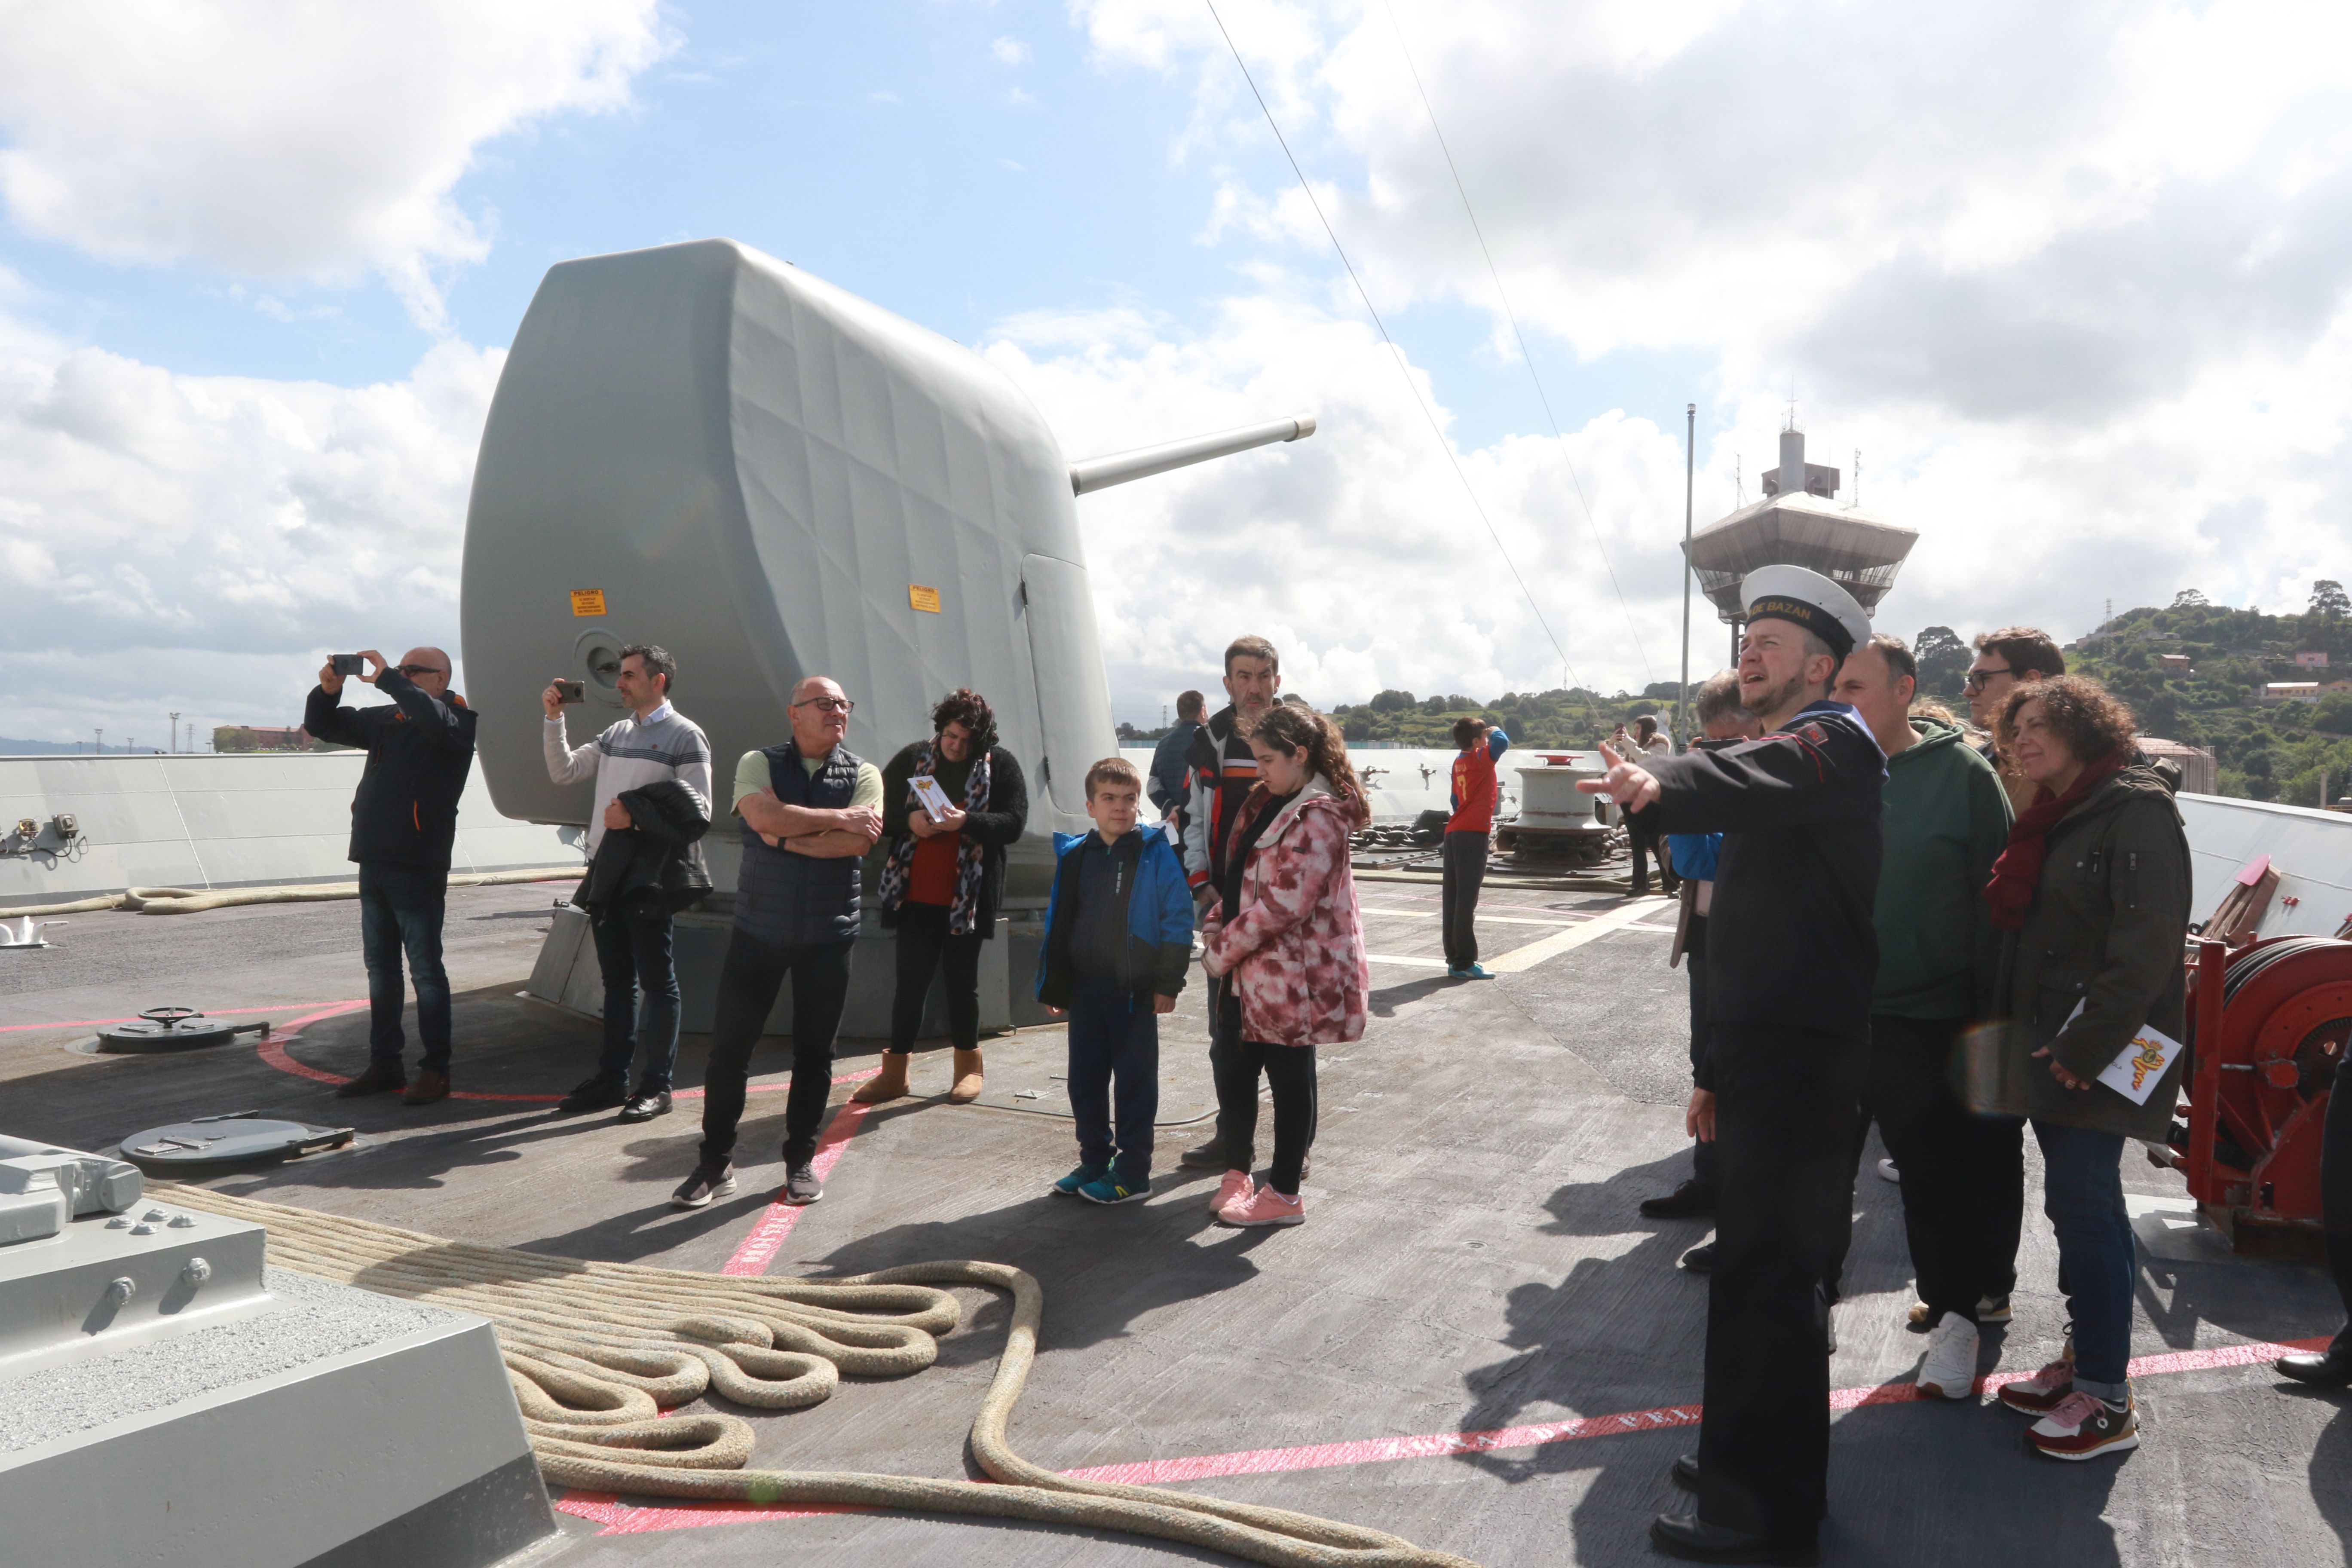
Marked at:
<point>2268,1024</point>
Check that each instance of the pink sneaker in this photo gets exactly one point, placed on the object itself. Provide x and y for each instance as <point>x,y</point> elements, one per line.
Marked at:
<point>1236,1185</point>
<point>1266,1207</point>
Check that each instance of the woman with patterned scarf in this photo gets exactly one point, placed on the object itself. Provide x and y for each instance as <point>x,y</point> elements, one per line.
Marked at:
<point>943,879</point>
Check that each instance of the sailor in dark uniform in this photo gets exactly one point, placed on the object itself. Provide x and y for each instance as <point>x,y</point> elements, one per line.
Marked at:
<point>1791,955</point>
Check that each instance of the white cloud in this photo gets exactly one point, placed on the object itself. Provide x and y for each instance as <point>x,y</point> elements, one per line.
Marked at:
<point>1010,52</point>
<point>194,543</point>
<point>284,139</point>
<point>2073,278</point>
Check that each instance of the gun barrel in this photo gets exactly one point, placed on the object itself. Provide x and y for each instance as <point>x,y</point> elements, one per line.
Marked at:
<point>1101,473</point>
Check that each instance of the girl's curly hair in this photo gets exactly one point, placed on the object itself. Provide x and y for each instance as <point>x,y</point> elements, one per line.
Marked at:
<point>2092,721</point>
<point>968,708</point>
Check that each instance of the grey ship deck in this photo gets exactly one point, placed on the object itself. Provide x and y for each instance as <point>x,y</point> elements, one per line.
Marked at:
<point>1473,1263</point>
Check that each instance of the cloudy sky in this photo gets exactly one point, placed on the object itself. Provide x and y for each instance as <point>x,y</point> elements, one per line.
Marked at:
<point>2069,275</point>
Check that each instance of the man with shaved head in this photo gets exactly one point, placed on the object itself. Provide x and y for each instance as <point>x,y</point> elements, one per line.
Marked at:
<point>404,821</point>
<point>810,809</point>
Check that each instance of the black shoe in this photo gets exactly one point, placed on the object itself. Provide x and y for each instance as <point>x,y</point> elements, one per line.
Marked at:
<point>1209,1157</point>
<point>1700,1259</point>
<point>2330,1368</point>
<point>596,1094</point>
<point>1690,1201</point>
<point>1685,1535</point>
<point>704,1185</point>
<point>645,1105</point>
<point>381,1078</point>
<point>800,1185</point>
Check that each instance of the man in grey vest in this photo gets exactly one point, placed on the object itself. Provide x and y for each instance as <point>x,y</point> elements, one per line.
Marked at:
<point>810,810</point>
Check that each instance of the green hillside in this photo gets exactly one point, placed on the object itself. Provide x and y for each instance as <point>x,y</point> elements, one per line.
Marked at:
<point>2266,754</point>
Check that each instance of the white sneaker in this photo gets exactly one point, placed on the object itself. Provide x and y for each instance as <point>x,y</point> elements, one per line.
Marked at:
<point>1950,1371</point>
<point>1887,1172</point>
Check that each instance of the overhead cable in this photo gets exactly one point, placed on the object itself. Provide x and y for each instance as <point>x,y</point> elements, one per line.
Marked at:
<point>1526,357</point>
<point>1396,354</point>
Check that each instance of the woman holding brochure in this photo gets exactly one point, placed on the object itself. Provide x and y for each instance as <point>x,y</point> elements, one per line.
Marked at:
<point>2092,899</point>
<point>951,805</point>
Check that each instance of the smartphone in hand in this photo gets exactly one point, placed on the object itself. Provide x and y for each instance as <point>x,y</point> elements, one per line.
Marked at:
<point>348,664</point>
<point>570,691</point>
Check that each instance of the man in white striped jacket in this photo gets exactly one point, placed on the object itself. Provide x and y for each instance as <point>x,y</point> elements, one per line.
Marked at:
<point>632,945</point>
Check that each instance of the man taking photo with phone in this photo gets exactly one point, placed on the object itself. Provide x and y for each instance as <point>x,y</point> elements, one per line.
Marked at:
<point>654,744</point>
<point>404,821</point>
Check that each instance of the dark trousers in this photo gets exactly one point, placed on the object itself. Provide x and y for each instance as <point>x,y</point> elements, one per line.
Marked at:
<point>2335,1196</point>
<point>1996,1198</point>
<point>2098,1257</point>
<point>748,982</point>
<point>1707,1167</point>
<point>1463,857</point>
<point>401,909</point>
<point>1290,1072</point>
<point>634,950</point>
<point>1114,1077</point>
<point>1647,845</point>
<point>1784,1113</point>
<point>925,947</point>
<point>1915,1096</point>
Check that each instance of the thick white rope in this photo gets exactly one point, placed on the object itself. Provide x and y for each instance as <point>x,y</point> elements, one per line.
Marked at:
<point>595,1351</point>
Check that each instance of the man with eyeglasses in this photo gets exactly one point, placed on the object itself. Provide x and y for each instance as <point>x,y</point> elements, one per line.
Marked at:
<point>2006,659</point>
<point>404,821</point>
<point>810,809</point>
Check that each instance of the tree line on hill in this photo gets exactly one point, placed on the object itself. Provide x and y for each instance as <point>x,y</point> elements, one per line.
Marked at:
<point>2296,752</point>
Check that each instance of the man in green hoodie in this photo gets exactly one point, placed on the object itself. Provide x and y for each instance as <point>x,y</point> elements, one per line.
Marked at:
<point>1945,818</point>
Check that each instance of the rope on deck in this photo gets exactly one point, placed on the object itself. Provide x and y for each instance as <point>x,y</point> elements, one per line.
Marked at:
<point>595,1351</point>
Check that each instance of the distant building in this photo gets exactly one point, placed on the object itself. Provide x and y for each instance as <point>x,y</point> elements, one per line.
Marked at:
<point>2313,658</point>
<point>2278,691</point>
<point>2200,770</point>
<point>2175,664</point>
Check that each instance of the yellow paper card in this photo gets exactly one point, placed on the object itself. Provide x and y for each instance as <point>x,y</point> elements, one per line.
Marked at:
<point>922,598</point>
<point>587,601</point>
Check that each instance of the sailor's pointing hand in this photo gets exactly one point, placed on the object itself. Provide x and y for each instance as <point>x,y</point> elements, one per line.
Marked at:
<point>1628,785</point>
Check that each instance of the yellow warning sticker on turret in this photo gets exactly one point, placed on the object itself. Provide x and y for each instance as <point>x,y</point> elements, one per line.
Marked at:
<point>587,601</point>
<point>923,598</point>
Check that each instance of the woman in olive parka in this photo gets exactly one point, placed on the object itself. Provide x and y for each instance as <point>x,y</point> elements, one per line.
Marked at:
<point>2091,897</point>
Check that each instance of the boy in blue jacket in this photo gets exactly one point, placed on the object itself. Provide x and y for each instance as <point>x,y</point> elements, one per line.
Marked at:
<point>1118,939</point>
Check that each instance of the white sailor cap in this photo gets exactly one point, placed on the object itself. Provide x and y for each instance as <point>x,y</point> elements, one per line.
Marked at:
<point>1812,601</point>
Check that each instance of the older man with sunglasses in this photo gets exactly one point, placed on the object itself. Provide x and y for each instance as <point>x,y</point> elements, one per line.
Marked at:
<point>810,809</point>
<point>404,821</point>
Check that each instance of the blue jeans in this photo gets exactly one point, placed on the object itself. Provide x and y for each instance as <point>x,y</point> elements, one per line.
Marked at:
<point>2098,1262</point>
<point>1114,1066</point>
<point>401,909</point>
<point>634,950</point>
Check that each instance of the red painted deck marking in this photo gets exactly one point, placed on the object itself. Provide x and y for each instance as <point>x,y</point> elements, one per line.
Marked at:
<point>209,1013</point>
<point>625,1520</point>
<point>767,1238</point>
<point>273,1051</point>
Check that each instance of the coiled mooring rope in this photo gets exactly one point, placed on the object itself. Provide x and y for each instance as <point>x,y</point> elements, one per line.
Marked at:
<point>595,1351</point>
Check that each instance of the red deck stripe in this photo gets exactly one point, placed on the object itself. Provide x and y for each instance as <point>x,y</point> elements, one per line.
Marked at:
<point>767,1238</point>
<point>273,1051</point>
<point>625,1520</point>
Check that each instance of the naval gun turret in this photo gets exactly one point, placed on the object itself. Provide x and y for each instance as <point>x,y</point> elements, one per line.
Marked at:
<point>704,448</point>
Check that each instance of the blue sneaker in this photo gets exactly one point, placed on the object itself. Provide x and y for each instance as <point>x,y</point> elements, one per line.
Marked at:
<point>1112,1188</point>
<point>1069,1185</point>
<point>1477,972</point>
<point>1454,974</point>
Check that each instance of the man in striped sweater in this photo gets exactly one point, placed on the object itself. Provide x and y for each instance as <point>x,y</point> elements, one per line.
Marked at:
<point>632,945</point>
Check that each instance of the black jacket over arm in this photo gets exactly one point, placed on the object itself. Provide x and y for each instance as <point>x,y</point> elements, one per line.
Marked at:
<point>995,830</point>
<point>419,750</point>
<point>1790,940</point>
<point>656,861</point>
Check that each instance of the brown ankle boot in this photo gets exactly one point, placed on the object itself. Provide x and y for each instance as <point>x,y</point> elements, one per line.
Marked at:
<point>967,1079</point>
<point>890,1083</point>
